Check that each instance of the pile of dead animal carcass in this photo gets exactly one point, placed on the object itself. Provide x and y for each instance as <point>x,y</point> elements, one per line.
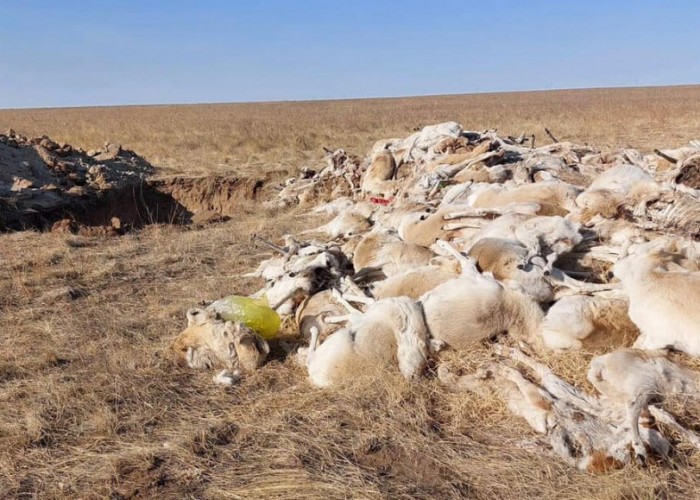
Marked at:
<point>448,238</point>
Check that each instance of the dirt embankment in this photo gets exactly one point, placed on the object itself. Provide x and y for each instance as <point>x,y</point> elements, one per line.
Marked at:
<point>44,184</point>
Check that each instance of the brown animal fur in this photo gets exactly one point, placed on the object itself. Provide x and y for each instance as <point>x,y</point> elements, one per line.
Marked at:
<point>463,312</point>
<point>382,249</point>
<point>314,309</point>
<point>413,283</point>
<point>549,193</point>
<point>593,323</point>
<point>210,342</point>
<point>381,170</point>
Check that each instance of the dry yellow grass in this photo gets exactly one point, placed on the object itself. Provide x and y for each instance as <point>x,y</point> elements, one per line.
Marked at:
<point>92,405</point>
<point>266,135</point>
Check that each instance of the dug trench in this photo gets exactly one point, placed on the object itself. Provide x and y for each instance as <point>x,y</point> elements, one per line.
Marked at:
<point>45,185</point>
<point>179,200</point>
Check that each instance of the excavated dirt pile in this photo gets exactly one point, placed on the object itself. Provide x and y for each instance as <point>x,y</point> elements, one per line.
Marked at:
<point>45,185</point>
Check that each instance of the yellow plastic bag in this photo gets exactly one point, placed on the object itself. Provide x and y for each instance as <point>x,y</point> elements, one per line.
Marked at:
<point>256,314</point>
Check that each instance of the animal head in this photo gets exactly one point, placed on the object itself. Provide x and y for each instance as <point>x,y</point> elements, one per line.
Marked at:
<point>637,260</point>
<point>251,348</point>
<point>210,342</point>
<point>287,292</point>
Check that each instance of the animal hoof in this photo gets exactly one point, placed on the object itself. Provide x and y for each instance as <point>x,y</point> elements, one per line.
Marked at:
<point>227,378</point>
<point>641,459</point>
<point>443,372</point>
<point>435,346</point>
<point>501,350</point>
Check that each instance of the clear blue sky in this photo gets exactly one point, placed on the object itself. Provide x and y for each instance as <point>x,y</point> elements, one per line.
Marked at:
<point>77,53</point>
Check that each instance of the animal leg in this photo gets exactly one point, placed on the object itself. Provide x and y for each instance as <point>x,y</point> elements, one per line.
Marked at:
<point>348,285</point>
<point>471,212</point>
<point>532,402</point>
<point>339,297</point>
<point>560,278</point>
<point>453,226</point>
<point>305,355</point>
<point>634,411</point>
<point>434,190</point>
<point>226,377</point>
<point>361,299</point>
<point>456,193</point>
<point>551,259</point>
<point>468,264</point>
<point>284,299</point>
<point>320,229</point>
<point>664,417</point>
<point>333,320</point>
<point>270,245</point>
<point>471,383</point>
<point>348,177</point>
<point>550,382</point>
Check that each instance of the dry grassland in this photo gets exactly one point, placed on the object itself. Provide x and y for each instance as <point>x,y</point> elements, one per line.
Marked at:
<point>269,135</point>
<point>93,406</point>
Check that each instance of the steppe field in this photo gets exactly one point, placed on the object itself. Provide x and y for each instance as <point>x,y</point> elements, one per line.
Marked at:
<point>93,405</point>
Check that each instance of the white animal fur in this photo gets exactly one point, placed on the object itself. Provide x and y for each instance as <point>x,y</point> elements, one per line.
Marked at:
<point>572,320</point>
<point>343,225</point>
<point>391,329</point>
<point>636,379</point>
<point>663,304</point>
<point>475,307</point>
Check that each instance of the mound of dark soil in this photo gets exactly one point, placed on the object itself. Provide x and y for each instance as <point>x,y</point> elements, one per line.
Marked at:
<point>46,185</point>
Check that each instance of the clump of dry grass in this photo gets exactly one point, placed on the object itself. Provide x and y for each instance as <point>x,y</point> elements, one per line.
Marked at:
<point>250,137</point>
<point>92,404</point>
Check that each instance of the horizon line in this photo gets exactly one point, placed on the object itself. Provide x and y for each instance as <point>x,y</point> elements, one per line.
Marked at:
<point>335,99</point>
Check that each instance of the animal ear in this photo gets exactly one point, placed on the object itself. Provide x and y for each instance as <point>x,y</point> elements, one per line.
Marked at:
<point>213,315</point>
<point>196,316</point>
<point>232,352</point>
